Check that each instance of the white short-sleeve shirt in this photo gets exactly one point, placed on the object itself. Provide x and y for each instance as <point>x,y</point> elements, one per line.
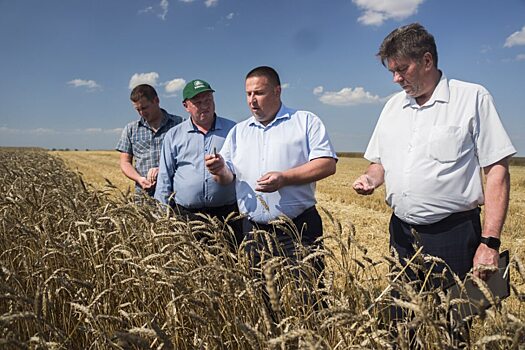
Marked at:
<point>432,154</point>
<point>251,150</point>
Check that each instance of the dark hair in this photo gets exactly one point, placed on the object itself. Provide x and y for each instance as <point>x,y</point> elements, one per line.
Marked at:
<point>410,41</point>
<point>143,90</point>
<point>265,71</point>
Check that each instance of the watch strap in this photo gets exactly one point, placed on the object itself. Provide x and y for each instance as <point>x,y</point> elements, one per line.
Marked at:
<point>491,242</point>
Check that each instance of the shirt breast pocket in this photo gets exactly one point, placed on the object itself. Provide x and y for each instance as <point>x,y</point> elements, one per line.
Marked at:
<point>141,145</point>
<point>446,143</point>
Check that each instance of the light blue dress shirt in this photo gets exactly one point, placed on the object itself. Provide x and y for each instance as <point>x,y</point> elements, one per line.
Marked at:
<point>251,150</point>
<point>182,169</point>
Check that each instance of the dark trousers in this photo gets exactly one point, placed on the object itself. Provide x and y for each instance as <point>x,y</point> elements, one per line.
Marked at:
<point>306,229</point>
<point>282,241</point>
<point>220,213</point>
<point>454,239</point>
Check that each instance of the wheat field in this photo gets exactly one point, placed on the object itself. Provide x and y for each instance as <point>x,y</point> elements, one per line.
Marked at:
<point>82,267</point>
<point>367,216</point>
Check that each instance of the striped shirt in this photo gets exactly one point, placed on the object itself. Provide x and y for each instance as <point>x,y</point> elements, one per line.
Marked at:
<point>140,141</point>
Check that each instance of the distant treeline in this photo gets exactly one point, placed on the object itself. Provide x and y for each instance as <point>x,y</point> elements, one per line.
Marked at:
<point>350,154</point>
<point>13,148</point>
<point>517,161</point>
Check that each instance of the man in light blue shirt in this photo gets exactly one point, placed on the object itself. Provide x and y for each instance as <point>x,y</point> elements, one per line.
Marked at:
<point>183,181</point>
<point>274,158</point>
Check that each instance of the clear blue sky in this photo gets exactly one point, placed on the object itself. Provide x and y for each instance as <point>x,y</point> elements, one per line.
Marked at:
<point>66,66</point>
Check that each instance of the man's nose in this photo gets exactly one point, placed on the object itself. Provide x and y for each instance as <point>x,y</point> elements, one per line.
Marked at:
<point>397,77</point>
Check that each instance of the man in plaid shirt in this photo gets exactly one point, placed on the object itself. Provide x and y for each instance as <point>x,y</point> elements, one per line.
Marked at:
<point>142,139</point>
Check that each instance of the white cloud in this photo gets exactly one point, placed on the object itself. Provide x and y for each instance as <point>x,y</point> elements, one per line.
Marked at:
<point>520,57</point>
<point>285,86</point>
<point>115,131</point>
<point>161,13</point>
<point>346,97</point>
<point>174,85</point>
<point>378,11</point>
<point>146,10</point>
<point>485,48</point>
<point>143,78</point>
<point>516,38</point>
<point>164,6</point>
<point>207,3</point>
<point>90,84</point>
<point>230,15</point>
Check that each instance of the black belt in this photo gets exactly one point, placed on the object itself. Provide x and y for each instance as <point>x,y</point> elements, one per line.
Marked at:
<point>448,221</point>
<point>233,207</point>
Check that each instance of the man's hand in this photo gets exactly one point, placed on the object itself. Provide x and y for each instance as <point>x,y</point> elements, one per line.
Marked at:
<point>215,163</point>
<point>217,167</point>
<point>152,175</point>
<point>364,185</point>
<point>270,182</point>
<point>145,184</point>
<point>485,259</point>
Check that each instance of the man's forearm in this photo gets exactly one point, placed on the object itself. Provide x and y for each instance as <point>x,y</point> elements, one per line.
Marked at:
<point>225,177</point>
<point>376,174</point>
<point>130,171</point>
<point>497,191</point>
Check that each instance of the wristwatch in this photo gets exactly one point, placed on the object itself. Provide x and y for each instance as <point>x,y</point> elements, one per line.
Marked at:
<point>491,242</point>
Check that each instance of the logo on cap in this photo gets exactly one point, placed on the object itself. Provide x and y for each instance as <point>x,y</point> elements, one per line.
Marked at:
<point>198,84</point>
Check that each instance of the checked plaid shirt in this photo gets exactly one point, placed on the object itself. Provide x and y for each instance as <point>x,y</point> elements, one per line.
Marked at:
<point>140,141</point>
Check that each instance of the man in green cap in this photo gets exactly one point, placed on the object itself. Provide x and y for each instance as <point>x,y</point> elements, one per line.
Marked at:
<point>183,181</point>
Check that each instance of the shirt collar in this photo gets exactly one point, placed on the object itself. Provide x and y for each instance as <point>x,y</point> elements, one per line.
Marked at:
<point>283,113</point>
<point>441,93</point>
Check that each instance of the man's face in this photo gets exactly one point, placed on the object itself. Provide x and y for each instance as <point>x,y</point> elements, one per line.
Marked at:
<point>263,99</point>
<point>409,74</point>
<point>201,108</point>
<point>147,109</point>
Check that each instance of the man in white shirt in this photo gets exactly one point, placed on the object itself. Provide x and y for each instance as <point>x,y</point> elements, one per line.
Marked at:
<point>429,146</point>
<point>275,157</point>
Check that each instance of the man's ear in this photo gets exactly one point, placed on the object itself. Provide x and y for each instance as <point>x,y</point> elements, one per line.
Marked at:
<point>428,59</point>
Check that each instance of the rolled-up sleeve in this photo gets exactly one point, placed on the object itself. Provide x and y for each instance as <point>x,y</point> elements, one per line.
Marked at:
<point>318,140</point>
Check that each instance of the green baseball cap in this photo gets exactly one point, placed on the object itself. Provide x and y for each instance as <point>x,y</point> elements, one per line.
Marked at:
<point>195,87</point>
